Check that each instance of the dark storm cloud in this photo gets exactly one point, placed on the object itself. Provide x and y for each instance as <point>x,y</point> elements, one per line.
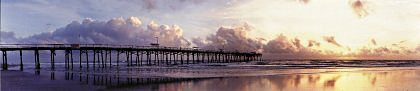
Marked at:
<point>331,39</point>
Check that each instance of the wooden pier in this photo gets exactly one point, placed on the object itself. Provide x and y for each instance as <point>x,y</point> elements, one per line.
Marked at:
<point>143,55</point>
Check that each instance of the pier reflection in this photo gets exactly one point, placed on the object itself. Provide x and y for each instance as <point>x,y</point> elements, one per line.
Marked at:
<point>114,80</point>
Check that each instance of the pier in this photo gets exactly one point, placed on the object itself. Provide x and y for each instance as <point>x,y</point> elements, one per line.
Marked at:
<point>107,55</point>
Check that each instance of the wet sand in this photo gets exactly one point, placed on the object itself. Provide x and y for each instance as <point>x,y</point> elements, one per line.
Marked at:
<point>253,76</point>
<point>23,81</point>
<point>396,80</point>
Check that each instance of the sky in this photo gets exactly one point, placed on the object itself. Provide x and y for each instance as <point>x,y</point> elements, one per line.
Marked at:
<point>288,29</point>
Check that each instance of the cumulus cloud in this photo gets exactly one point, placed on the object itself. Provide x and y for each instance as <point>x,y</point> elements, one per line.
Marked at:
<point>331,39</point>
<point>231,38</point>
<point>234,38</point>
<point>359,7</point>
<point>168,35</point>
<point>282,47</point>
<point>281,44</point>
<point>114,31</point>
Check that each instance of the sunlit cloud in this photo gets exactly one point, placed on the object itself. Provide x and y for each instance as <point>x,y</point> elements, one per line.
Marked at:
<point>313,43</point>
<point>331,39</point>
<point>360,7</point>
<point>373,41</point>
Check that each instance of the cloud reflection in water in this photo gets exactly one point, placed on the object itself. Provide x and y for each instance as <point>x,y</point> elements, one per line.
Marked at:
<point>334,81</point>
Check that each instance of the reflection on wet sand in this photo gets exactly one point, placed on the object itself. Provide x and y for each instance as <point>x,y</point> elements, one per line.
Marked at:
<point>230,78</point>
<point>399,80</point>
<point>116,81</point>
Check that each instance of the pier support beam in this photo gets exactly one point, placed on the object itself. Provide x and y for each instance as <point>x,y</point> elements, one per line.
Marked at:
<point>4,60</point>
<point>37,63</point>
<point>182,60</point>
<point>87,58</point>
<point>131,58</point>
<point>71,58</point>
<point>118,57</point>
<point>128,58</point>
<point>141,58</point>
<point>106,58</point>
<point>188,58</point>
<point>167,59</point>
<point>110,58</point>
<point>80,58</point>
<point>193,57</point>
<point>102,59</point>
<point>137,58</point>
<point>148,59</point>
<point>66,59</point>
<point>94,58</point>
<point>52,54</point>
<point>21,61</point>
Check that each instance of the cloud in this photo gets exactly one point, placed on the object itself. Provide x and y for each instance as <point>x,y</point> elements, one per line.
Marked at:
<point>114,31</point>
<point>303,1</point>
<point>168,35</point>
<point>149,4</point>
<point>130,31</point>
<point>231,38</point>
<point>235,38</point>
<point>7,37</point>
<point>168,4</point>
<point>331,39</point>
<point>283,48</point>
<point>313,43</point>
<point>418,48</point>
<point>359,7</point>
<point>393,51</point>
<point>281,45</point>
<point>373,41</point>
<point>398,44</point>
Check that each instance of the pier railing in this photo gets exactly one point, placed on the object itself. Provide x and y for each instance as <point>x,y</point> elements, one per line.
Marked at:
<point>2,46</point>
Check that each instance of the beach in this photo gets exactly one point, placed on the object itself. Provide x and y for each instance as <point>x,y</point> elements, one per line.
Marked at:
<point>245,76</point>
